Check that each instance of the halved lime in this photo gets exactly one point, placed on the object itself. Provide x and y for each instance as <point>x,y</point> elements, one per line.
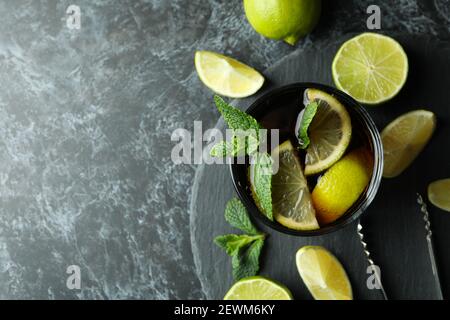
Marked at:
<point>227,76</point>
<point>323,274</point>
<point>329,132</point>
<point>404,138</point>
<point>258,288</point>
<point>292,204</point>
<point>372,68</point>
<point>439,194</point>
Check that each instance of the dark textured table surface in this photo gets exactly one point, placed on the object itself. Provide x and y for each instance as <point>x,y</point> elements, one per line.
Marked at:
<point>86,117</point>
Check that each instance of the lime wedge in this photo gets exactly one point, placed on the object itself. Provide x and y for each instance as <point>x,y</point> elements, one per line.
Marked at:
<point>342,185</point>
<point>258,288</point>
<point>372,68</point>
<point>227,76</point>
<point>404,138</point>
<point>330,132</point>
<point>439,194</point>
<point>323,274</point>
<point>292,205</point>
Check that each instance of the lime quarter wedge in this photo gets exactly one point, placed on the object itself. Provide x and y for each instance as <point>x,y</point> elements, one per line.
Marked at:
<point>227,76</point>
<point>439,194</point>
<point>323,274</point>
<point>404,138</point>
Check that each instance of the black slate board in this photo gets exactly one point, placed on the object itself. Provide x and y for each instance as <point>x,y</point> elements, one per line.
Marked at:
<point>393,224</point>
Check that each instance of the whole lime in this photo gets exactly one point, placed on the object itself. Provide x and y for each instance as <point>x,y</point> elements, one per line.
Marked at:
<point>283,19</point>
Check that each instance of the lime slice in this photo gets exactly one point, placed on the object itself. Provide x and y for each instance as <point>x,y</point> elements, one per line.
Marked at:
<point>227,76</point>
<point>258,288</point>
<point>372,68</point>
<point>292,205</point>
<point>439,194</point>
<point>329,132</point>
<point>341,186</point>
<point>323,274</point>
<point>404,138</point>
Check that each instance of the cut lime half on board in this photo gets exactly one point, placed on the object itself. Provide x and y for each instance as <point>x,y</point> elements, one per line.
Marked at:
<point>372,68</point>
<point>258,288</point>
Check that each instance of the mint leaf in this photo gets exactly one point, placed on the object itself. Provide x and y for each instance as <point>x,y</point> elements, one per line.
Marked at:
<point>223,149</point>
<point>233,243</point>
<point>307,118</point>
<point>235,118</point>
<point>251,143</point>
<point>239,146</point>
<point>261,182</point>
<point>245,263</point>
<point>237,216</point>
<point>244,249</point>
<point>245,128</point>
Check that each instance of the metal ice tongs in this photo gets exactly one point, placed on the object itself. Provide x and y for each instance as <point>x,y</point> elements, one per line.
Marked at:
<point>426,218</point>
<point>370,261</point>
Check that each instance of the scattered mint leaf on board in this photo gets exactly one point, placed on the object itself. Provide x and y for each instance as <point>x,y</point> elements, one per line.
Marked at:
<point>307,118</point>
<point>243,249</point>
<point>235,118</point>
<point>236,215</point>
<point>246,263</point>
<point>261,182</point>
<point>233,243</point>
